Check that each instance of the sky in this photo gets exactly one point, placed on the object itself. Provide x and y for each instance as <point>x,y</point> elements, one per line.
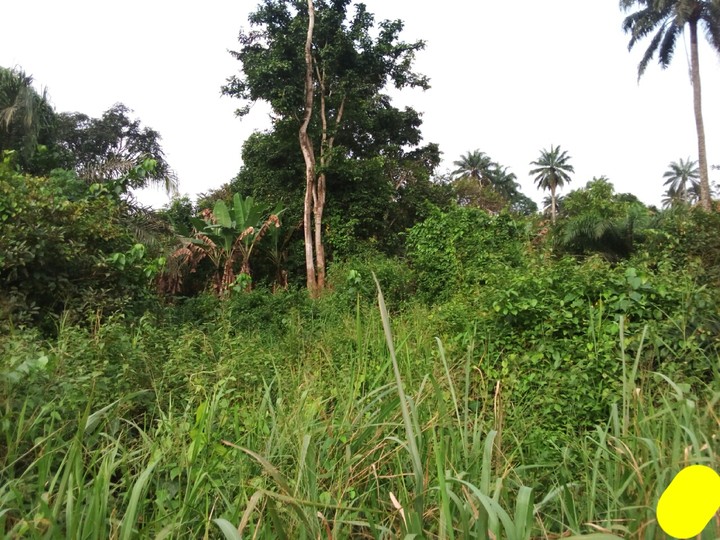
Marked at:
<point>507,78</point>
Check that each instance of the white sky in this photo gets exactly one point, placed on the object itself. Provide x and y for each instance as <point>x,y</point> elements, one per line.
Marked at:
<point>508,78</point>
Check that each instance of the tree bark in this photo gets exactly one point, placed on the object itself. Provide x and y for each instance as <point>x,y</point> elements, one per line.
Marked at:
<point>327,141</point>
<point>309,156</point>
<point>553,210</point>
<point>318,210</point>
<point>315,184</point>
<point>705,202</point>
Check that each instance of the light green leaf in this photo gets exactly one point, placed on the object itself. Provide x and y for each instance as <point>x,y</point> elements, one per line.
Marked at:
<point>222,214</point>
<point>228,529</point>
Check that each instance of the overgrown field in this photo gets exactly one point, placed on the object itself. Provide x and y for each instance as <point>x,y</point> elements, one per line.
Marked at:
<point>271,415</point>
<point>518,380</point>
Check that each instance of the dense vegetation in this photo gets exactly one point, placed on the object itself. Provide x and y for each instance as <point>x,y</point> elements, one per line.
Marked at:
<point>466,367</point>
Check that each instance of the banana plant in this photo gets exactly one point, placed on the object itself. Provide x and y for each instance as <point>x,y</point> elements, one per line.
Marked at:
<point>227,235</point>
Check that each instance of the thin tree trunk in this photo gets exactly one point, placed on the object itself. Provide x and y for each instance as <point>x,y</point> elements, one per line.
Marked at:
<point>309,156</point>
<point>327,141</point>
<point>553,211</point>
<point>702,155</point>
<point>318,209</point>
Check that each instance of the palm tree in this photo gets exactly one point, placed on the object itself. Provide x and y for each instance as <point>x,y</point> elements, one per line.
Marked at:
<point>682,181</point>
<point>476,165</point>
<point>552,172</point>
<point>24,113</point>
<point>504,182</point>
<point>667,20</point>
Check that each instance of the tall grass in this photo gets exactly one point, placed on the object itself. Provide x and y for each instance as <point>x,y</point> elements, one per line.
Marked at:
<point>368,429</point>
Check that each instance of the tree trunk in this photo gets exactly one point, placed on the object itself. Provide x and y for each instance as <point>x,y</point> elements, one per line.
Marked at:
<point>327,141</point>
<point>309,156</point>
<point>553,211</point>
<point>318,209</point>
<point>702,155</point>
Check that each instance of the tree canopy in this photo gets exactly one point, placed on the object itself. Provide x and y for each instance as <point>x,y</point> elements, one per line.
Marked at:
<point>368,157</point>
<point>481,182</point>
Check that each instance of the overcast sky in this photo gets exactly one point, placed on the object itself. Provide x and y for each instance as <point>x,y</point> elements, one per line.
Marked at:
<point>508,78</point>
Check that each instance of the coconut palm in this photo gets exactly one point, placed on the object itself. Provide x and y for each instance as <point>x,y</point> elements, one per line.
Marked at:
<point>551,172</point>
<point>682,181</point>
<point>667,19</point>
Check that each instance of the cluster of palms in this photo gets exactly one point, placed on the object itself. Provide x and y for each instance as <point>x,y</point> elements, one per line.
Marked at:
<point>480,181</point>
<point>476,173</point>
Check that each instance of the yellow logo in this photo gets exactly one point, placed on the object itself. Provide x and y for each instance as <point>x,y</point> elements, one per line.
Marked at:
<point>689,502</point>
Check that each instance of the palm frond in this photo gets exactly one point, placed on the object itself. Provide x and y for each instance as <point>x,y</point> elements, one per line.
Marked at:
<point>710,18</point>
<point>665,18</point>
<point>667,46</point>
<point>650,51</point>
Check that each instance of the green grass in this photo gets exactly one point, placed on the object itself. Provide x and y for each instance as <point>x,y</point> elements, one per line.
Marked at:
<point>354,426</point>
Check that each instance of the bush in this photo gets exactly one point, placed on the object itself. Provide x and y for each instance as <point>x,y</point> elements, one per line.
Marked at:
<point>353,277</point>
<point>463,248</point>
<point>56,237</point>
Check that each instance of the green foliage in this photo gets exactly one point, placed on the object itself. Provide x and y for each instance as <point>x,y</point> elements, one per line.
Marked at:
<point>108,148</point>
<point>483,183</point>
<point>352,278</point>
<point>227,237</point>
<point>595,219</point>
<point>684,237</point>
<point>514,394</point>
<point>462,248</point>
<point>97,149</point>
<point>179,212</point>
<point>256,428</point>
<point>551,334</point>
<point>26,118</point>
<point>356,65</point>
<point>56,248</point>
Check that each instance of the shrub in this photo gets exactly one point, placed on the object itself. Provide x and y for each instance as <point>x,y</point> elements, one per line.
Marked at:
<point>353,277</point>
<point>463,248</point>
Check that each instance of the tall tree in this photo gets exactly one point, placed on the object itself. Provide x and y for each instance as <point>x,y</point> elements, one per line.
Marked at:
<point>323,73</point>
<point>551,172</point>
<point>475,165</point>
<point>666,19</point>
<point>107,148</point>
<point>682,181</point>
<point>314,186</point>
